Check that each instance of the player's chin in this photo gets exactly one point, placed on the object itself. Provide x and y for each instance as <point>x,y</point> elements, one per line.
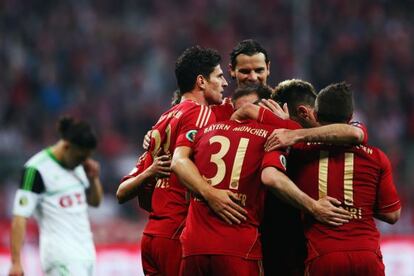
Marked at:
<point>219,99</point>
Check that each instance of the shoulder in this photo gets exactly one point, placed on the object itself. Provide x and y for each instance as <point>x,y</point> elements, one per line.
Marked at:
<point>38,159</point>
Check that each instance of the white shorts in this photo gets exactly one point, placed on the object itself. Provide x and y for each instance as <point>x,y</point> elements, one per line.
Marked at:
<point>71,269</point>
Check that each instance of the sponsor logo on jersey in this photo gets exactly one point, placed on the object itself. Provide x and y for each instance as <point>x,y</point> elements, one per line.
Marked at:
<point>23,201</point>
<point>282,159</point>
<point>190,135</point>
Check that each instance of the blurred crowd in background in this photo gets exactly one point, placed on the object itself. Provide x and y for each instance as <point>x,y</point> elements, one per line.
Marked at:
<point>112,63</point>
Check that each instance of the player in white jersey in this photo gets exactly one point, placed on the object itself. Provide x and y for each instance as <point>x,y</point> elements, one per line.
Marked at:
<point>57,185</point>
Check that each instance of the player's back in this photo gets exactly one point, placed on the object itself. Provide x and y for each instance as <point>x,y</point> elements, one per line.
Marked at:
<point>230,155</point>
<point>360,177</point>
<point>176,127</point>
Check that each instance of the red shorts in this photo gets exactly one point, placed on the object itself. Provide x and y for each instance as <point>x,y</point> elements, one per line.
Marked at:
<point>220,265</point>
<point>160,256</point>
<point>350,263</point>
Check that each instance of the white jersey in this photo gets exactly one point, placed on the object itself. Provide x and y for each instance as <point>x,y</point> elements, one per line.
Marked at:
<point>56,197</point>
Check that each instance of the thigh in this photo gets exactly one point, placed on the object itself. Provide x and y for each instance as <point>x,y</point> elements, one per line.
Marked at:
<point>149,264</point>
<point>335,264</point>
<point>197,265</point>
<point>231,265</point>
<point>367,263</point>
<point>71,269</point>
<point>160,256</point>
<point>351,263</point>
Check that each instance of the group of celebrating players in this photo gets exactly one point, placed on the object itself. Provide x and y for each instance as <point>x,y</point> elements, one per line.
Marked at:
<point>274,181</point>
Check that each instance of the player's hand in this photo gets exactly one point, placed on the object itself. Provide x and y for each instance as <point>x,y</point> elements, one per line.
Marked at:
<point>280,138</point>
<point>227,100</point>
<point>161,167</point>
<point>328,211</point>
<point>147,140</point>
<point>92,168</point>
<point>223,203</point>
<point>16,270</point>
<point>275,108</point>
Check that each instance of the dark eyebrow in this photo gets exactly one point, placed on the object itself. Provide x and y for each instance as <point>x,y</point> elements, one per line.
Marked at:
<point>244,70</point>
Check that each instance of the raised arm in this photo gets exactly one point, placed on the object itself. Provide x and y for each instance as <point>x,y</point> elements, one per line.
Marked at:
<point>324,210</point>
<point>333,134</point>
<point>95,192</point>
<point>221,201</point>
<point>128,189</point>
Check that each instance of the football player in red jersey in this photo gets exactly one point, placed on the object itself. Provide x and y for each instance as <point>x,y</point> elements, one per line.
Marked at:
<point>359,176</point>
<point>201,82</point>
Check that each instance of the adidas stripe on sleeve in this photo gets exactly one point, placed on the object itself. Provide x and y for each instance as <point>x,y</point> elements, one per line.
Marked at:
<point>27,196</point>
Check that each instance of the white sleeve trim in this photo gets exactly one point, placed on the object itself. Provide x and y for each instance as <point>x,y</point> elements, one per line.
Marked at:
<point>25,203</point>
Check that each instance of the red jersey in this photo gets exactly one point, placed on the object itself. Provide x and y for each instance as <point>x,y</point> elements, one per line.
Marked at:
<point>223,111</point>
<point>284,244</point>
<point>360,177</point>
<point>146,189</point>
<point>230,155</point>
<point>176,127</point>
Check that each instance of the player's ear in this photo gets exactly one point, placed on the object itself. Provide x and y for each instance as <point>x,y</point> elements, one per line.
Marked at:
<point>231,71</point>
<point>303,111</point>
<point>66,145</point>
<point>201,81</point>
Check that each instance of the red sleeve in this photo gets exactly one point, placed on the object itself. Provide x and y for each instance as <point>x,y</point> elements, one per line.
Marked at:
<point>387,197</point>
<point>223,111</point>
<point>144,161</point>
<point>364,130</point>
<point>269,118</point>
<point>194,119</point>
<point>146,189</point>
<point>275,159</point>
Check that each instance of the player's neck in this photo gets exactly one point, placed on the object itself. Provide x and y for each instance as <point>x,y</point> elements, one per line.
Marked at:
<point>58,150</point>
<point>195,96</point>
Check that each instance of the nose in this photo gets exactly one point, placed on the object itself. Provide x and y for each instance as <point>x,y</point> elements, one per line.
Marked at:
<point>252,76</point>
<point>225,83</point>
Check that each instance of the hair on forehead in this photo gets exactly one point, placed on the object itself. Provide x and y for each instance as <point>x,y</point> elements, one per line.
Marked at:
<point>247,47</point>
<point>77,132</point>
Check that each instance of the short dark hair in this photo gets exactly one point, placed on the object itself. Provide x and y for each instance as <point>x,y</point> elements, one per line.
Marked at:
<point>247,47</point>
<point>192,62</point>
<point>294,92</point>
<point>334,103</point>
<point>77,132</point>
<point>261,90</point>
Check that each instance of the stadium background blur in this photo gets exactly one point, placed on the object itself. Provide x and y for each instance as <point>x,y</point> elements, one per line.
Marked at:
<point>112,63</point>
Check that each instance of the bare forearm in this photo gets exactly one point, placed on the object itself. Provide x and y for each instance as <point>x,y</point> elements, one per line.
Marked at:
<point>286,190</point>
<point>189,175</point>
<point>334,133</point>
<point>18,231</point>
<point>95,193</point>
<point>129,188</point>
